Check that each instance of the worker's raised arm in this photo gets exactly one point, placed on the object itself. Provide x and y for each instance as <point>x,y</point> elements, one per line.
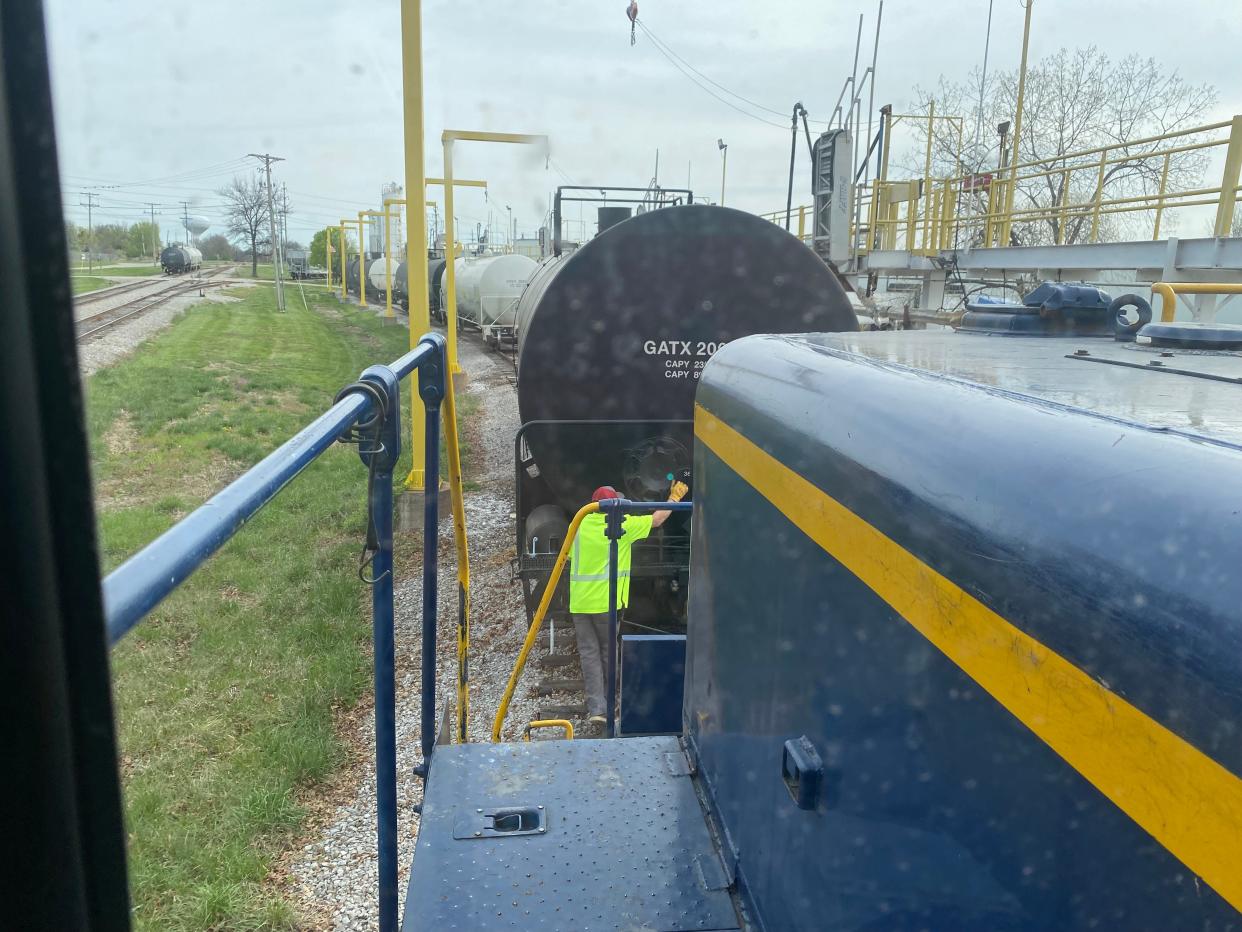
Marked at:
<point>675,494</point>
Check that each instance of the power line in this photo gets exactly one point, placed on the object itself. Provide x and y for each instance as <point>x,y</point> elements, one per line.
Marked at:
<point>707,90</point>
<point>677,62</point>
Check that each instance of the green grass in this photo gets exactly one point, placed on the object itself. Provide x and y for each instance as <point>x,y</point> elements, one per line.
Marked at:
<point>266,272</point>
<point>226,694</point>
<point>83,283</point>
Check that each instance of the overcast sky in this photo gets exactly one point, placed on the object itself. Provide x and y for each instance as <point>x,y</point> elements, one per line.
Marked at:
<point>165,97</point>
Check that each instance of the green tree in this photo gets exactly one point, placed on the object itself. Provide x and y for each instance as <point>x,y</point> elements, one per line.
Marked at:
<point>319,245</point>
<point>216,246</point>
<point>75,239</point>
<point>1074,101</point>
<point>144,240</point>
<point>111,238</point>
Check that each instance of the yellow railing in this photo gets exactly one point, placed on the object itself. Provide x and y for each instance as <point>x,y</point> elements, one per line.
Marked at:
<point>928,215</point>
<point>1169,291</point>
<point>537,622</point>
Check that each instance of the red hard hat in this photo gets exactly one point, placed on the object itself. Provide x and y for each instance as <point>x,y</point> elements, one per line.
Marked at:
<point>604,491</point>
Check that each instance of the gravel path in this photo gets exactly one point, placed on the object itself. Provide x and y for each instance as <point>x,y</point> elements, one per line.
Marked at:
<point>332,877</point>
<point>104,349</point>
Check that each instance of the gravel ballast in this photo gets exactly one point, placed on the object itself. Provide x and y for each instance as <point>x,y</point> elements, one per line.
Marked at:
<point>331,876</point>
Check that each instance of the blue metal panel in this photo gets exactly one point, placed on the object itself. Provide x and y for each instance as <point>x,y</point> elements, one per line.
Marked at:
<point>653,670</point>
<point>626,846</point>
<point>1103,539</point>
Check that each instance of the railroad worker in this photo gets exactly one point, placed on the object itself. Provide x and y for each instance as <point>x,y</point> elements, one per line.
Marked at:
<point>588,589</point>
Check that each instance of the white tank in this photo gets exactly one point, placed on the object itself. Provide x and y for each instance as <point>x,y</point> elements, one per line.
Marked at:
<point>488,288</point>
<point>194,256</point>
<point>375,273</point>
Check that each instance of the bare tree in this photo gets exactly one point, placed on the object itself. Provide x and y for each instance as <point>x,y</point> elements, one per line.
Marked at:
<point>245,201</point>
<point>1074,101</point>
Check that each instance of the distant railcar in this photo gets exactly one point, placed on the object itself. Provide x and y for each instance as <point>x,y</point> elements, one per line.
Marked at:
<point>177,260</point>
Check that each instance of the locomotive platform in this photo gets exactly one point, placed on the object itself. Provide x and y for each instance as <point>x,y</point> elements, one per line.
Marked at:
<point>568,835</point>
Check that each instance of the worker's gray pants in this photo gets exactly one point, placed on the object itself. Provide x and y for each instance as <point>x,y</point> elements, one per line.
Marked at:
<point>591,632</point>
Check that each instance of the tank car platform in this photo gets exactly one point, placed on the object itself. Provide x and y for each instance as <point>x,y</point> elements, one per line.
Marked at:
<point>568,835</point>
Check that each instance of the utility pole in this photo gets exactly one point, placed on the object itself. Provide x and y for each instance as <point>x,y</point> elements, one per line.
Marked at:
<point>155,249</point>
<point>185,220</point>
<point>267,161</point>
<point>90,228</point>
<point>284,218</point>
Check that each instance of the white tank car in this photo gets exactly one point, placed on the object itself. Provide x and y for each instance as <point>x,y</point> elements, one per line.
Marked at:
<point>375,273</point>
<point>488,289</point>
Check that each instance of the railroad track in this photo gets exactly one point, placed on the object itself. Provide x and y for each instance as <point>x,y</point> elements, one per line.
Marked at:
<point>105,320</point>
<point>112,291</point>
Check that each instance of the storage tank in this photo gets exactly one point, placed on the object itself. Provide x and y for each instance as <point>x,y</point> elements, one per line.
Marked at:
<point>488,289</point>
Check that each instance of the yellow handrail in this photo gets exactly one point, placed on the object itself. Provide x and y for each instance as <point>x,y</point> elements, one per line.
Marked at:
<point>1169,291</point>
<point>940,213</point>
<point>551,723</point>
<point>537,622</point>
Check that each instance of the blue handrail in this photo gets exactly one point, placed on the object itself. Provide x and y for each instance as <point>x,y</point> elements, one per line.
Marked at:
<point>370,405</point>
<point>615,510</point>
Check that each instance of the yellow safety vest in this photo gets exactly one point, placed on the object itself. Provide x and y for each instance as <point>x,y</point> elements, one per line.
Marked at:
<point>588,566</point>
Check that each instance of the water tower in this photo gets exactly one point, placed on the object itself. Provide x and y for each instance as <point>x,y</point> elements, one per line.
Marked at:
<point>195,226</point>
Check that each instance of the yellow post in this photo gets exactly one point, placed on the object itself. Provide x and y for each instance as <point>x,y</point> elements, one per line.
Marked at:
<point>416,216</point>
<point>802,222</point>
<point>1099,198</point>
<point>1064,219</point>
<point>388,263</point>
<point>389,202</point>
<point>1164,178</point>
<point>450,260</point>
<point>362,255</point>
<point>929,210</point>
<point>327,238</point>
<point>1017,128</point>
<point>344,250</point>
<point>1229,183</point>
<point>450,412</point>
<point>449,137</point>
